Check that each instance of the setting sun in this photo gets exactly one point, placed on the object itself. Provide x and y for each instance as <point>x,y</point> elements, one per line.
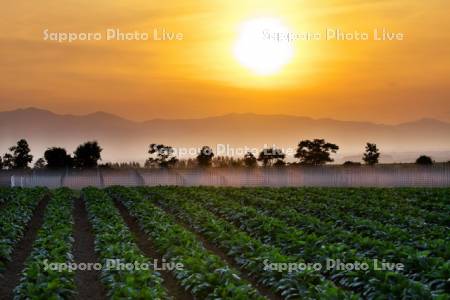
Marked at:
<point>255,50</point>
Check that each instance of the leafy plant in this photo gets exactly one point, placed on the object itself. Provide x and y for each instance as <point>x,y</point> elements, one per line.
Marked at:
<point>205,275</point>
<point>14,217</point>
<point>296,242</point>
<point>247,252</point>
<point>113,240</point>
<point>53,245</point>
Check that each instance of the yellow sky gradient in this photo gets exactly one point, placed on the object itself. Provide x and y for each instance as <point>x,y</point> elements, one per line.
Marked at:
<point>377,81</point>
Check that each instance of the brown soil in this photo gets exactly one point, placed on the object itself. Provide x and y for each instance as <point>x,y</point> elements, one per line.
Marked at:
<point>172,285</point>
<point>11,275</point>
<point>87,282</point>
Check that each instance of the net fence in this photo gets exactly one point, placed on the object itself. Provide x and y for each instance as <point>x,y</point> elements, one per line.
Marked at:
<point>326,176</point>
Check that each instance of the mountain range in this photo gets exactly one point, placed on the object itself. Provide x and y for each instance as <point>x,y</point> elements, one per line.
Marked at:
<point>126,140</point>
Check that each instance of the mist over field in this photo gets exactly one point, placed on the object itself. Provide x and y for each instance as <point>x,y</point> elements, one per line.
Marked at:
<point>126,140</point>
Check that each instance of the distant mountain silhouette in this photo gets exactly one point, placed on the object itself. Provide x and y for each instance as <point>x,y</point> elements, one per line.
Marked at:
<point>125,140</point>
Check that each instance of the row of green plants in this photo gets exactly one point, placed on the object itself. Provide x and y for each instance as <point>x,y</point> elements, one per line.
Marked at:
<point>14,217</point>
<point>310,201</point>
<point>320,203</point>
<point>430,199</point>
<point>396,211</point>
<point>6,194</point>
<point>113,240</point>
<point>374,204</point>
<point>204,274</point>
<point>53,245</point>
<point>314,206</point>
<point>292,241</point>
<point>419,265</point>
<point>248,252</point>
<point>387,206</point>
<point>397,203</point>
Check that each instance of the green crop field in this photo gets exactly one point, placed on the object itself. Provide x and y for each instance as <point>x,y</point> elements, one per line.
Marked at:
<point>225,243</point>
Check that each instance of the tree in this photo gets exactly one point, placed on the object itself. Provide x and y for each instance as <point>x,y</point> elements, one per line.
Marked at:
<point>349,163</point>
<point>424,160</point>
<point>39,164</point>
<point>87,155</point>
<point>20,155</point>
<point>250,160</point>
<point>268,155</point>
<point>226,162</point>
<point>8,161</point>
<point>205,157</point>
<point>122,165</point>
<point>162,156</point>
<point>279,163</point>
<point>186,163</point>
<point>57,158</point>
<point>315,152</point>
<point>371,155</point>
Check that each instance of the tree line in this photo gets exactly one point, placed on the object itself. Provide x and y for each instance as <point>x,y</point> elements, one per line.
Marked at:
<point>87,156</point>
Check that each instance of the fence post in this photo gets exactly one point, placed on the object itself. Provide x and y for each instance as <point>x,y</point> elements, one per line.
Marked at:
<point>100,175</point>
<point>62,177</point>
<point>140,179</point>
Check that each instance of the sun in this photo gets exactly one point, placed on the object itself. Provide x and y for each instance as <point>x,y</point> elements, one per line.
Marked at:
<point>258,50</point>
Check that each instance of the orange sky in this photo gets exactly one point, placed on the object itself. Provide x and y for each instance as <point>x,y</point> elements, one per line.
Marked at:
<point>379,81</point>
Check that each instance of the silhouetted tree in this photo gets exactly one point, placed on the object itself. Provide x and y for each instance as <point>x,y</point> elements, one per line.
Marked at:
<point>349,163</point>
<point>87,155</point>
<point>186,163</point>
<point>279,163</point>
<point>372,154</point>
<point>162,156</point>
<point>1,163</point>
<point>250,160</point>
<point>205,157</point>
<point>226,162</point>
<point>122,165</point>
<point>20,155</point>
<point>315,152</point>
<point>105,166</point>
<point>267,156</point>
<point>8,161</point>
<point>39,164</point>
<point>57,158</point>
<point>150,164</point>
<point>424,160</point>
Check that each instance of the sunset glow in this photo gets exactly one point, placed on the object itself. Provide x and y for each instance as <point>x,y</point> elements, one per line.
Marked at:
<point>215,64</point>
<point>256,51</point>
